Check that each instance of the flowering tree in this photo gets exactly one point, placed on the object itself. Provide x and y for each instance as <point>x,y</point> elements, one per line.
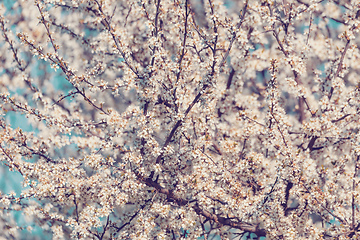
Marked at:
<point>173,119</point>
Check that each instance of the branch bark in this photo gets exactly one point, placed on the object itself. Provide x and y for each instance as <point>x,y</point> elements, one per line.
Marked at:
<point>173,197</point>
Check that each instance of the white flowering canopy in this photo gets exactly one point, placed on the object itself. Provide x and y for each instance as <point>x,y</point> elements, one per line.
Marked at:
<point>181,119</point>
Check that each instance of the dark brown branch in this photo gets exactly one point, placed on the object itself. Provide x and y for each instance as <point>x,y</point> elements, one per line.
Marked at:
<point>339,68</point>
<point>171,196</point>
<point>13,49</point>
<point>116,40</point>
<point>312,142</point>
<point>187,12</point>
<point>234,34</point>
<point>353,202</point>
<point>178,123</point>
<point>339,119</point>
<point>289,185</point>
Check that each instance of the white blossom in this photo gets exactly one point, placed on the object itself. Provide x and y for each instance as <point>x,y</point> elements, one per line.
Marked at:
<point>181,119</point>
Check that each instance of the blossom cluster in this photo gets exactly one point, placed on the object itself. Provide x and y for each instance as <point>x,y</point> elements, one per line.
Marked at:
<point>181,119</point>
